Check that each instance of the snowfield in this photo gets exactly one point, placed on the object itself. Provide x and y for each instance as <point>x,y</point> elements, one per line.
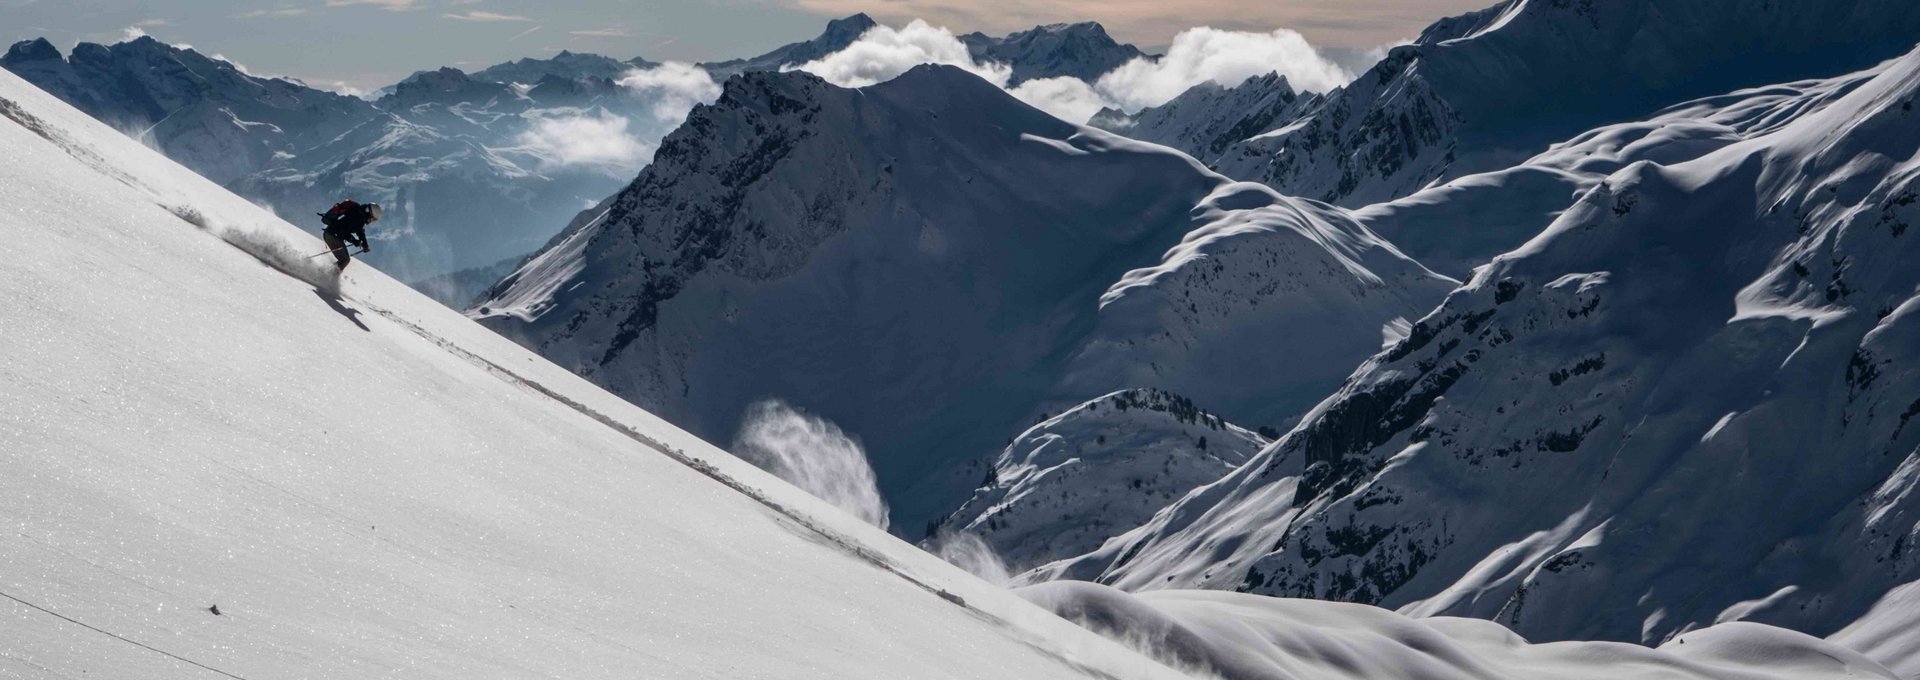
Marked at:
<point>371,486</point>
<point>219,458</point>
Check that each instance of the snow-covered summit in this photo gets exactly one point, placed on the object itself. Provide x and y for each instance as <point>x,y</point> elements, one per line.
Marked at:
<point>1687,401</point>
<point>967,259</point>
<point>1487,90</point>
<point>1082,50</point>
<point>565,64</point>
<point>223,460</point>
<point>838,34</point>
<point>1208,118</point>
<point>204,112</point>
<point>445,86</point>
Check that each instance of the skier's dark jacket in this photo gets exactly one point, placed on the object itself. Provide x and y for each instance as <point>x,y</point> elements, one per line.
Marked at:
<point>352,226</point>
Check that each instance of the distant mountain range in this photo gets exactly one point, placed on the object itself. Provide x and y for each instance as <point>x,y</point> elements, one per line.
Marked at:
<point>458,158</point>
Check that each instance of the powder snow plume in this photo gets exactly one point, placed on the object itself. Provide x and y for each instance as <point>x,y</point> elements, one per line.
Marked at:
<point>971,553</point>
<point>813,454</point>
<point>270,249</point>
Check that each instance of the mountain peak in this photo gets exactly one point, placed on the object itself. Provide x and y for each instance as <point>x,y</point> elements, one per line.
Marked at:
<point>37,49</point>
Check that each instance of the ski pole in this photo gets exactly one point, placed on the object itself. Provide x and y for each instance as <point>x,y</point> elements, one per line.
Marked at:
<point>328,251</point>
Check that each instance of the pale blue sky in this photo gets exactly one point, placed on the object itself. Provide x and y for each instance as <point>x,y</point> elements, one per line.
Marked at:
<point>372,43</point>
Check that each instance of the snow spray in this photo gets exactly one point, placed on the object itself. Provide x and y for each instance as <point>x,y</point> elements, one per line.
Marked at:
<point>813,454</point>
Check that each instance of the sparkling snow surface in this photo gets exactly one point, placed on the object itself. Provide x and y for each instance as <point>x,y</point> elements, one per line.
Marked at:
<point>372,486</point>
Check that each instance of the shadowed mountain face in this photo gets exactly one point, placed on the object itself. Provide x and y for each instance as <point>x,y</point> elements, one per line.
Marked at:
<point>202,112</point>
<point>930,263</point>
<point>1689,399</point>
<point>1483,91</point>
<point>1082,50</point>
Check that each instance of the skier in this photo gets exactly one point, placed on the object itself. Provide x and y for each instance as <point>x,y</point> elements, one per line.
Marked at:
<point>346,224</point>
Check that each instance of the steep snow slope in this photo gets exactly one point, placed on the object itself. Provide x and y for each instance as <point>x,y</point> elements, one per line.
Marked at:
<point>446,153</point>
<point>1082,50</point>
<point>1068,484</point>
<point>1685,402</point>
<point>367,485</point>
<point>1464,223</point>
<point>1245,637</point>
<point>927,262</point>
<point>1203,121</point>
<point>1481,92</point>
<point>1890,631</point>
<point>466,167</point>
<point>1259,310</point>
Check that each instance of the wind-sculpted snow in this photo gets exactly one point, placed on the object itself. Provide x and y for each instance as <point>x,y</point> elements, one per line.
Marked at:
<point>1232,636</point>
<point>1481,92</point>
<point>1687,401</point>
<point>1068,484</point>
<point>211,471</point>
<point>812,454</point>
<point>1464,223</point>
<point>923,262</point>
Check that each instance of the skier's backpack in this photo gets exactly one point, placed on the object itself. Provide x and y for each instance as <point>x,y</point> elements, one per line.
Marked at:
<point>339,210</point>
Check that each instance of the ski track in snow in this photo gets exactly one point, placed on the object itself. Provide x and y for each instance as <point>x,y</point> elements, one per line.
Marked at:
<point>283,257</point>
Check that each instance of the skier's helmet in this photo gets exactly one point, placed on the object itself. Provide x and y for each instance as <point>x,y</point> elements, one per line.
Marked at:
<point>373,212</point>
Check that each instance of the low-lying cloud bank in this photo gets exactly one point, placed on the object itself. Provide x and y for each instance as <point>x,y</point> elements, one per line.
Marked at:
<point>1197,55</point>
<point>619,145</point>
<point>884,52</point>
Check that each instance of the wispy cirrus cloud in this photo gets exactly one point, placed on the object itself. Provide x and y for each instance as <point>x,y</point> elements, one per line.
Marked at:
<point>525,33</point>
<point>615,31</point>
<point>485,16</point>
<point>388,5</point>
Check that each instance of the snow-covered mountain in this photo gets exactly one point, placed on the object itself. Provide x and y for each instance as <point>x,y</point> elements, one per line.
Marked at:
<point>455,507</point>
<point>444,151</point>
<point>1686,401</point>
<point>963,259</point>
<point>223,460</point>
<point>1465,222</point>
<point>450,155</point>
<point>839,34</point>
<point>1082,50</point>
<point>567,65</point>
<point>1068,484</point>
<point>204,112</point>
<point>1235,636</point>
<point>1208,118</point>
<point>1480,92</point>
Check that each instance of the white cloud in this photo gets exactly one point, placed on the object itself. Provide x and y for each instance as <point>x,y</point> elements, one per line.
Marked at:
<point>676,87</point>
<point>237,65</point>
<point>1065,97</point>
<point>388,5</point>
<point>132,33</point>
<point>884,52</point>
<point>343,88</point>
<point>1197,55</point>
<point>1206,54</point>
<point>607,32</point>
<point>599,141</point>
<point>485,16</point>
<point>152,22</point>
